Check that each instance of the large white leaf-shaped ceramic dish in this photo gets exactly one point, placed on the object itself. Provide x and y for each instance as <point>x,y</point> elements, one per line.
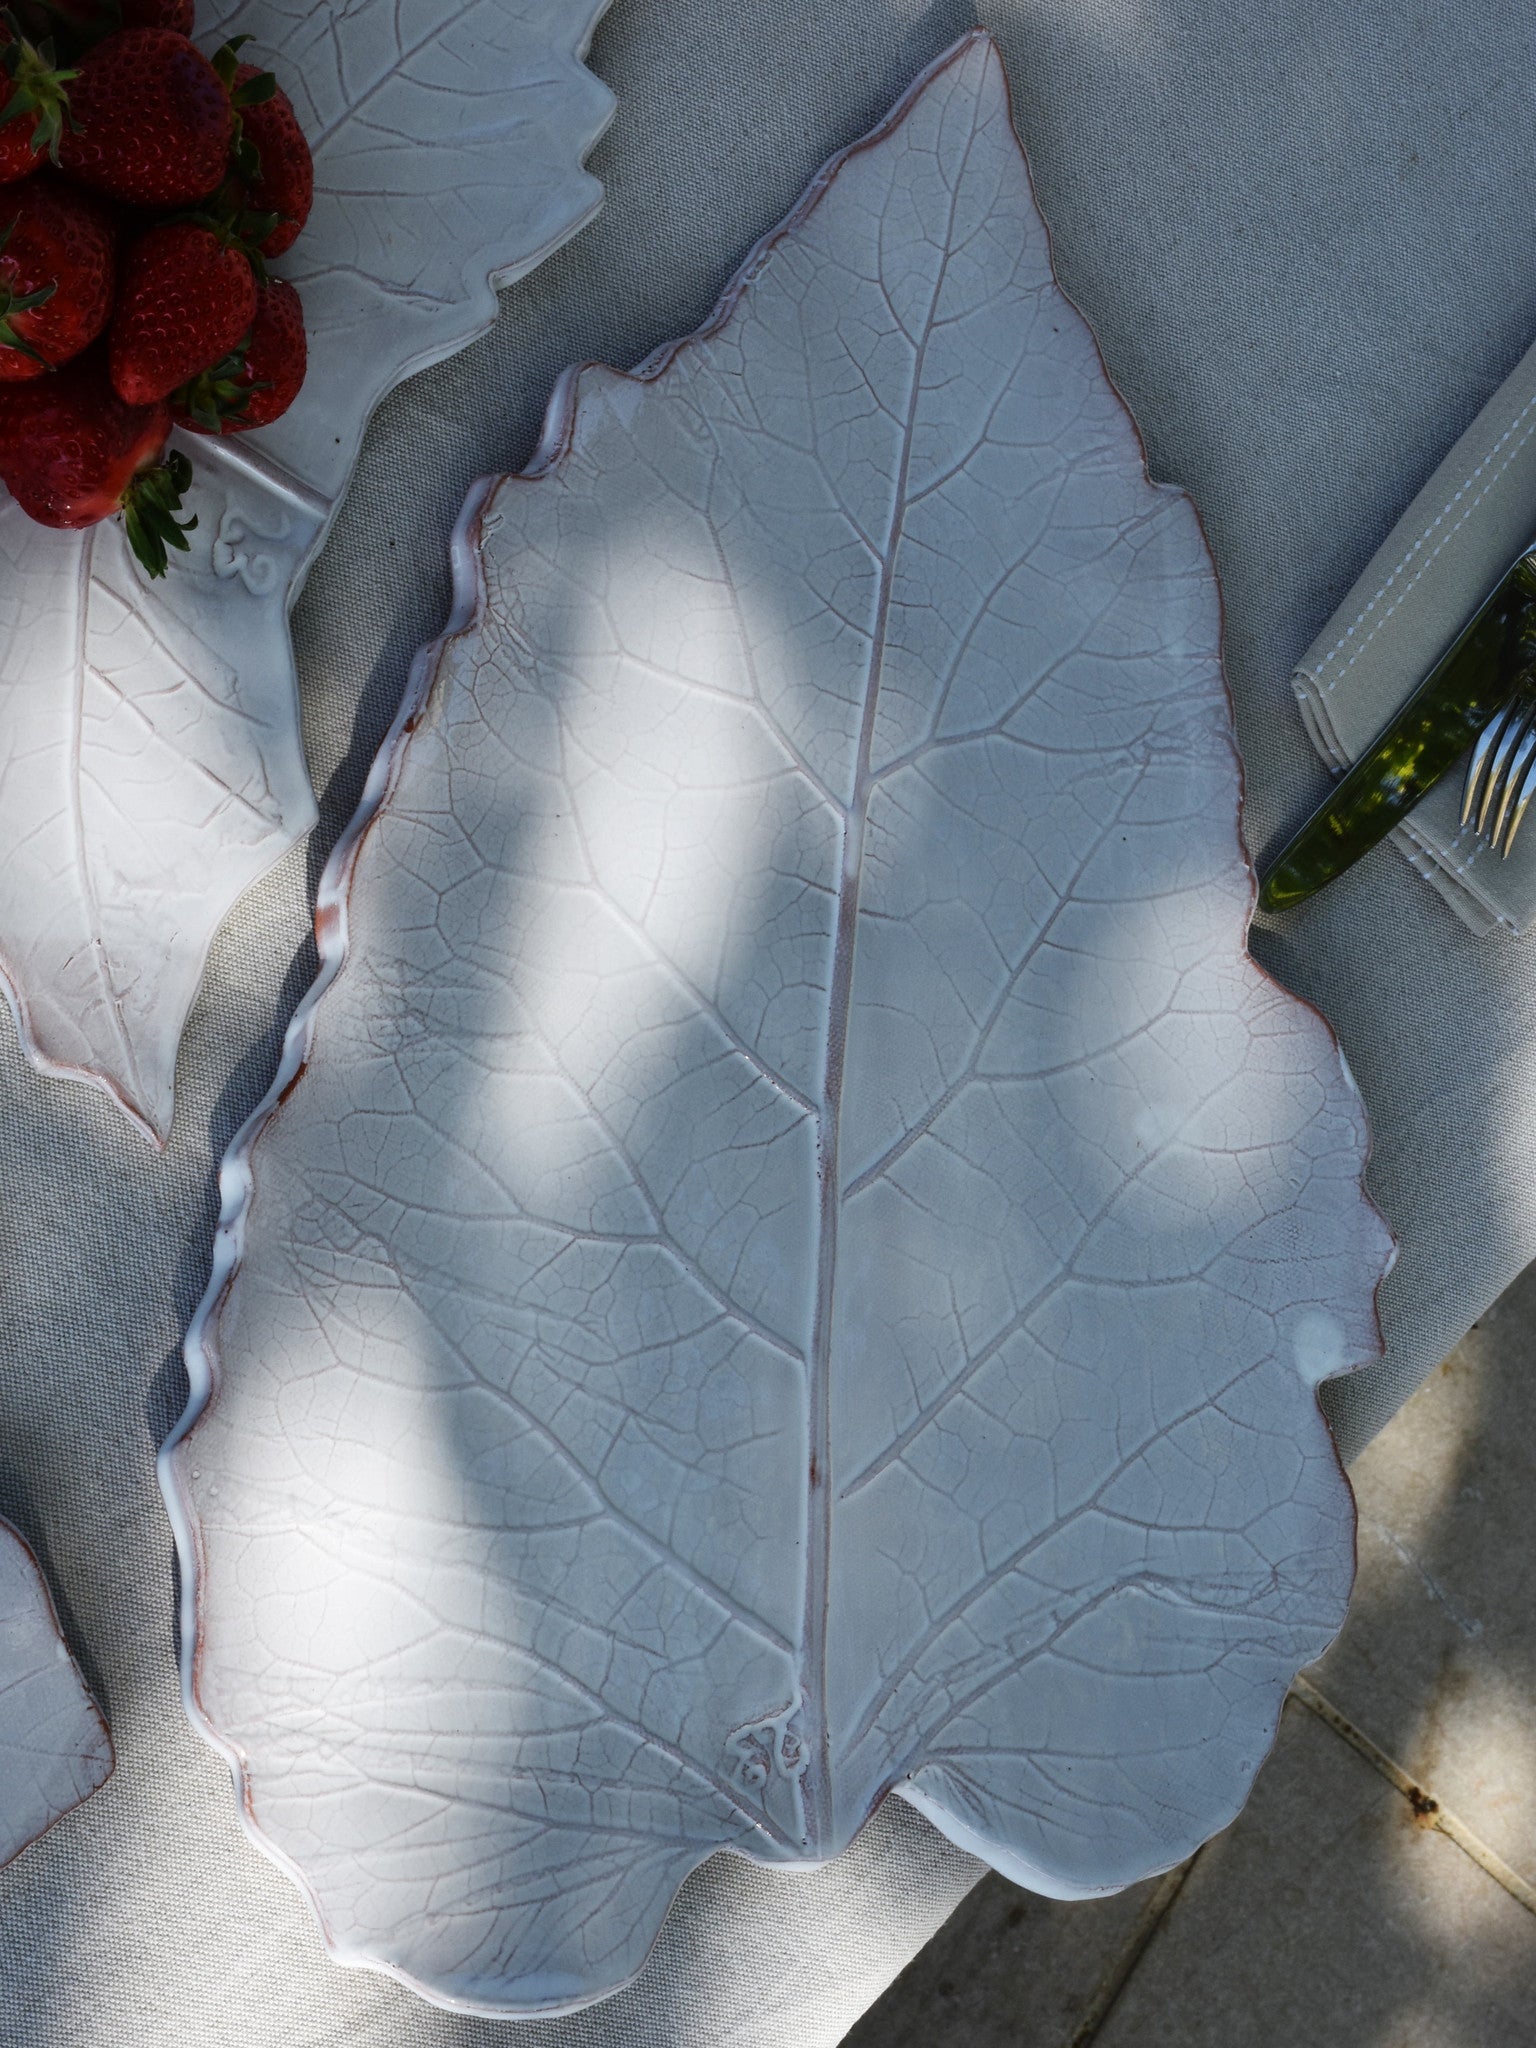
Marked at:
<point>801,1259</point>
<point>151,764</point>
<point>54,1746</point>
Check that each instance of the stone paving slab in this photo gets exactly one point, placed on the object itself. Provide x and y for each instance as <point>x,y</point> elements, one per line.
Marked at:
<point>1438,1659</point>
<point>1328,1917</point>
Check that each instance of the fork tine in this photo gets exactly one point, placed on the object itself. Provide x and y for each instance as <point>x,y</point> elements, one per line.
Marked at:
<point>1496,735</point>
<point>1482,754</point>
<point>1515,769</point>
<point>1515,724</point>
<point>1518,801</point>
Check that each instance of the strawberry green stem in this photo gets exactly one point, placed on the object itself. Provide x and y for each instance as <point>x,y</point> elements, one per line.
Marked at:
<point>37,87</point>
<point>219,394</point>
<point>150,505</point>
<point>255,92</point>
<point>235,225</point>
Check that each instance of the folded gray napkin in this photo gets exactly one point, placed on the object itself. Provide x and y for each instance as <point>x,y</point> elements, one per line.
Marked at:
<point>1464,529</point>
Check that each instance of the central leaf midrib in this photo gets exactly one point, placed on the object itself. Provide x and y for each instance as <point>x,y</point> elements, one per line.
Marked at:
<point>819,1815</point>
<point>96,937</point>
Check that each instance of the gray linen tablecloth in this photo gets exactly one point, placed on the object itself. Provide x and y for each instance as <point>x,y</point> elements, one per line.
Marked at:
<point>1305,239</point>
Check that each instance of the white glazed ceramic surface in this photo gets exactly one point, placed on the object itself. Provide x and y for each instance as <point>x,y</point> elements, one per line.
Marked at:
<point>151,764</point>
<point>54,1747</point>
<point>801,1259</point>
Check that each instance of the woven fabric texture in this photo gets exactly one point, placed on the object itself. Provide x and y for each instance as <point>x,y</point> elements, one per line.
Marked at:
<point>1303,238</point>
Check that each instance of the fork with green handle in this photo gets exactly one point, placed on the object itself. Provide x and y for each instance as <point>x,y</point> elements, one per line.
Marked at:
<point>1482,689</point>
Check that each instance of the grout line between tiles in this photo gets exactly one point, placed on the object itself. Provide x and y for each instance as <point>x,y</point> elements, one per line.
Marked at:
<point>1427,1809</point>
<point>1118,1975</point>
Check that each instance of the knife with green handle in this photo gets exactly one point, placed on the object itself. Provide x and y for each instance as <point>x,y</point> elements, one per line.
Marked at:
<point>1468,685</point>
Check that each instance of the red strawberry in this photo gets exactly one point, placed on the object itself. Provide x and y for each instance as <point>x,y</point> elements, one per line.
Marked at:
<point>273,160</point>
<point>73,454</point>
<point>32,105</point>
<point>151,122</point>
<point>260,380</point>
<point>18,153</point>
<point>186,299</point>
<point>58,260</point>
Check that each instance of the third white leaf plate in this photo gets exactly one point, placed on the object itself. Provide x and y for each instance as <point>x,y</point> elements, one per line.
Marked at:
<point>54,1747</point>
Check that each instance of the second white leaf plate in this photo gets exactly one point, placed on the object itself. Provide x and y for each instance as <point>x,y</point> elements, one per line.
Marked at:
<point>151,762</point>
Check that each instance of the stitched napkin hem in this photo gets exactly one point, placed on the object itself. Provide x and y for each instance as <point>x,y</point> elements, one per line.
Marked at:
<point>1467,525</point>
